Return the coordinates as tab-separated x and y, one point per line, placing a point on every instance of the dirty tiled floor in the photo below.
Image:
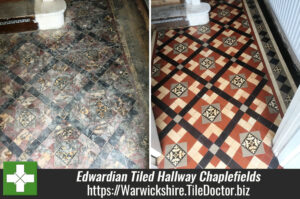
68	97
213	94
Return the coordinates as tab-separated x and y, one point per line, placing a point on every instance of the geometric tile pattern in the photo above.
211	113
177	155
67	96
204	29
224	118
238	81
206	63
285	84
251	142
272	104
229	41
179	90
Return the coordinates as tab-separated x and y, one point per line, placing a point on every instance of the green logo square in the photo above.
19	178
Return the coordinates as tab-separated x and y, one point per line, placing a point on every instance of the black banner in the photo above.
165	183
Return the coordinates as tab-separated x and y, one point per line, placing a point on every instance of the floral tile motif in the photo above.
27	61
67	133
102	109
211	113
180	48
27	112
251	142
176	155
229	41
207	63
67	151
203	29
256	56
223	13
272	104
25	118
89	54
238	81
60	83
179	90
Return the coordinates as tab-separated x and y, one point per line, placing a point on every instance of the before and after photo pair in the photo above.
159	84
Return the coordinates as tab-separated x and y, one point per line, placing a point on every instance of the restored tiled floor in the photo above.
212	95
68	98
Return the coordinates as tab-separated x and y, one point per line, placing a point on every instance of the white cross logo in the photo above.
20	178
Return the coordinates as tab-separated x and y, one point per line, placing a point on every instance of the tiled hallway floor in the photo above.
68	98
219	91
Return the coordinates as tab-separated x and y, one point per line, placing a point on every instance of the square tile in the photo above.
233	59
214	149
181	32
179	90
67	151
177	118
180	48
208	85
211	113
244	108
176	155
251	143
207	63
180	66
203	29
223	13
238	81
205	44
229	41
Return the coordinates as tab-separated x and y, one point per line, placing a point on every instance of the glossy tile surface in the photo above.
213	99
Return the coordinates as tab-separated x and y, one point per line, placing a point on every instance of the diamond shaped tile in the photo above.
204	29
206	63
251	144
25	118
229	41
224	13
238	81
211	113
180	48
179	90
177	154
67	151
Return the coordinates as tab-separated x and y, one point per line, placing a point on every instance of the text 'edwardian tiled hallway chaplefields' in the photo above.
219	90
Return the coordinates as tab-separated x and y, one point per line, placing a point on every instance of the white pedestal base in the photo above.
49	14
197	14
